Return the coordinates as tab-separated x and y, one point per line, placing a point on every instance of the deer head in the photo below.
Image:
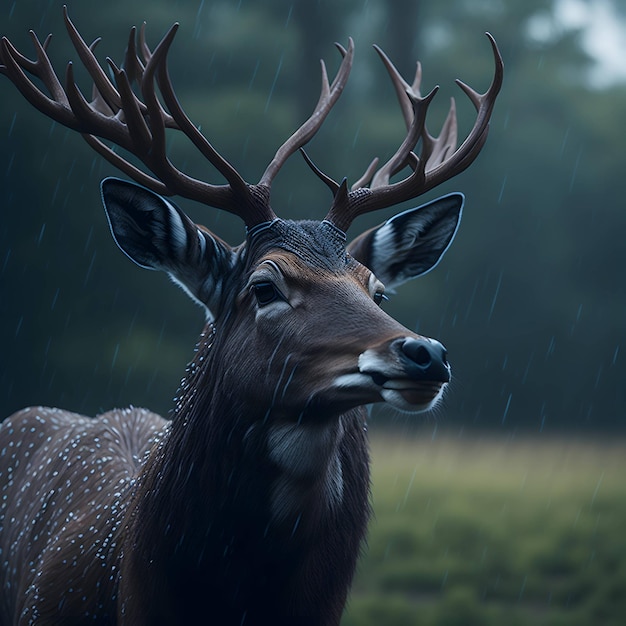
301	306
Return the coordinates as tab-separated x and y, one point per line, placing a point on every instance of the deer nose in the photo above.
425	359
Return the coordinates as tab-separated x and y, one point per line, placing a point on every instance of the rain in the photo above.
504	500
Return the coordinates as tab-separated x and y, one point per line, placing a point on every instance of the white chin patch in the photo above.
397	400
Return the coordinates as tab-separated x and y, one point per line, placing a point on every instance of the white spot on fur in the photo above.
383	249
351	381
372	361
177	233
304	452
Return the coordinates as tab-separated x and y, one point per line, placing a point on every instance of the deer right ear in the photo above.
154	233
410	243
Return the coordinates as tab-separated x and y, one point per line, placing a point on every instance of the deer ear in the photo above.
156	234
410	243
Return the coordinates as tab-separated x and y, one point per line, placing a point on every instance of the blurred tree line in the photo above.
530	300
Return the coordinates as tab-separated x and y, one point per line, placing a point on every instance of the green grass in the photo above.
492	531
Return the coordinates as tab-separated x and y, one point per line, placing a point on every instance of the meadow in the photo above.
484	530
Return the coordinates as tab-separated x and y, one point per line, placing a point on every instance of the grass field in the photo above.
481	531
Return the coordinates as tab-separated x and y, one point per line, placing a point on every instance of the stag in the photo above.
251	504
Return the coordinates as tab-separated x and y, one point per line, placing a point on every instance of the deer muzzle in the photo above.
409	372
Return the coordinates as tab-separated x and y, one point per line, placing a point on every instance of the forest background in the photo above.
531	298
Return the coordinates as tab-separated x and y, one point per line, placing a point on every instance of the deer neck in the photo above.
251	508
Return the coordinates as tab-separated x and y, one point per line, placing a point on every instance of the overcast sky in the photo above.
605	36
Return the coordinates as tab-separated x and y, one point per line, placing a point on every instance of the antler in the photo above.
329	95
138	125
439	159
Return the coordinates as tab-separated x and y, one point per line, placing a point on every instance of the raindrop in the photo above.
200	10
41	232
117	349
445	579
254	74
565	138
269	97
12	124
54	299
70	170
8	254
598	377
543	417
356	135
55	192
93	258
88	240
10	165
495	297
595	491
289	15
506	408
575	169
408	489
502	190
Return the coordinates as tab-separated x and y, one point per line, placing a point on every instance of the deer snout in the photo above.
424	359
409	372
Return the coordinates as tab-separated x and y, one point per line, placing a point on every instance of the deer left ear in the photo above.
410	243
156	234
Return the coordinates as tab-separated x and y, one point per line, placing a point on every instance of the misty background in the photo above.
530	300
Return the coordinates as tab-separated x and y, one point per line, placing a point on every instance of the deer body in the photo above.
223	555
250	505
56	529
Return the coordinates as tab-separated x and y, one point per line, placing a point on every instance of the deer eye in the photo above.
380	297
266	293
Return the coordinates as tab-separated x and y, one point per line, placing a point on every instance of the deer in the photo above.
250	504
